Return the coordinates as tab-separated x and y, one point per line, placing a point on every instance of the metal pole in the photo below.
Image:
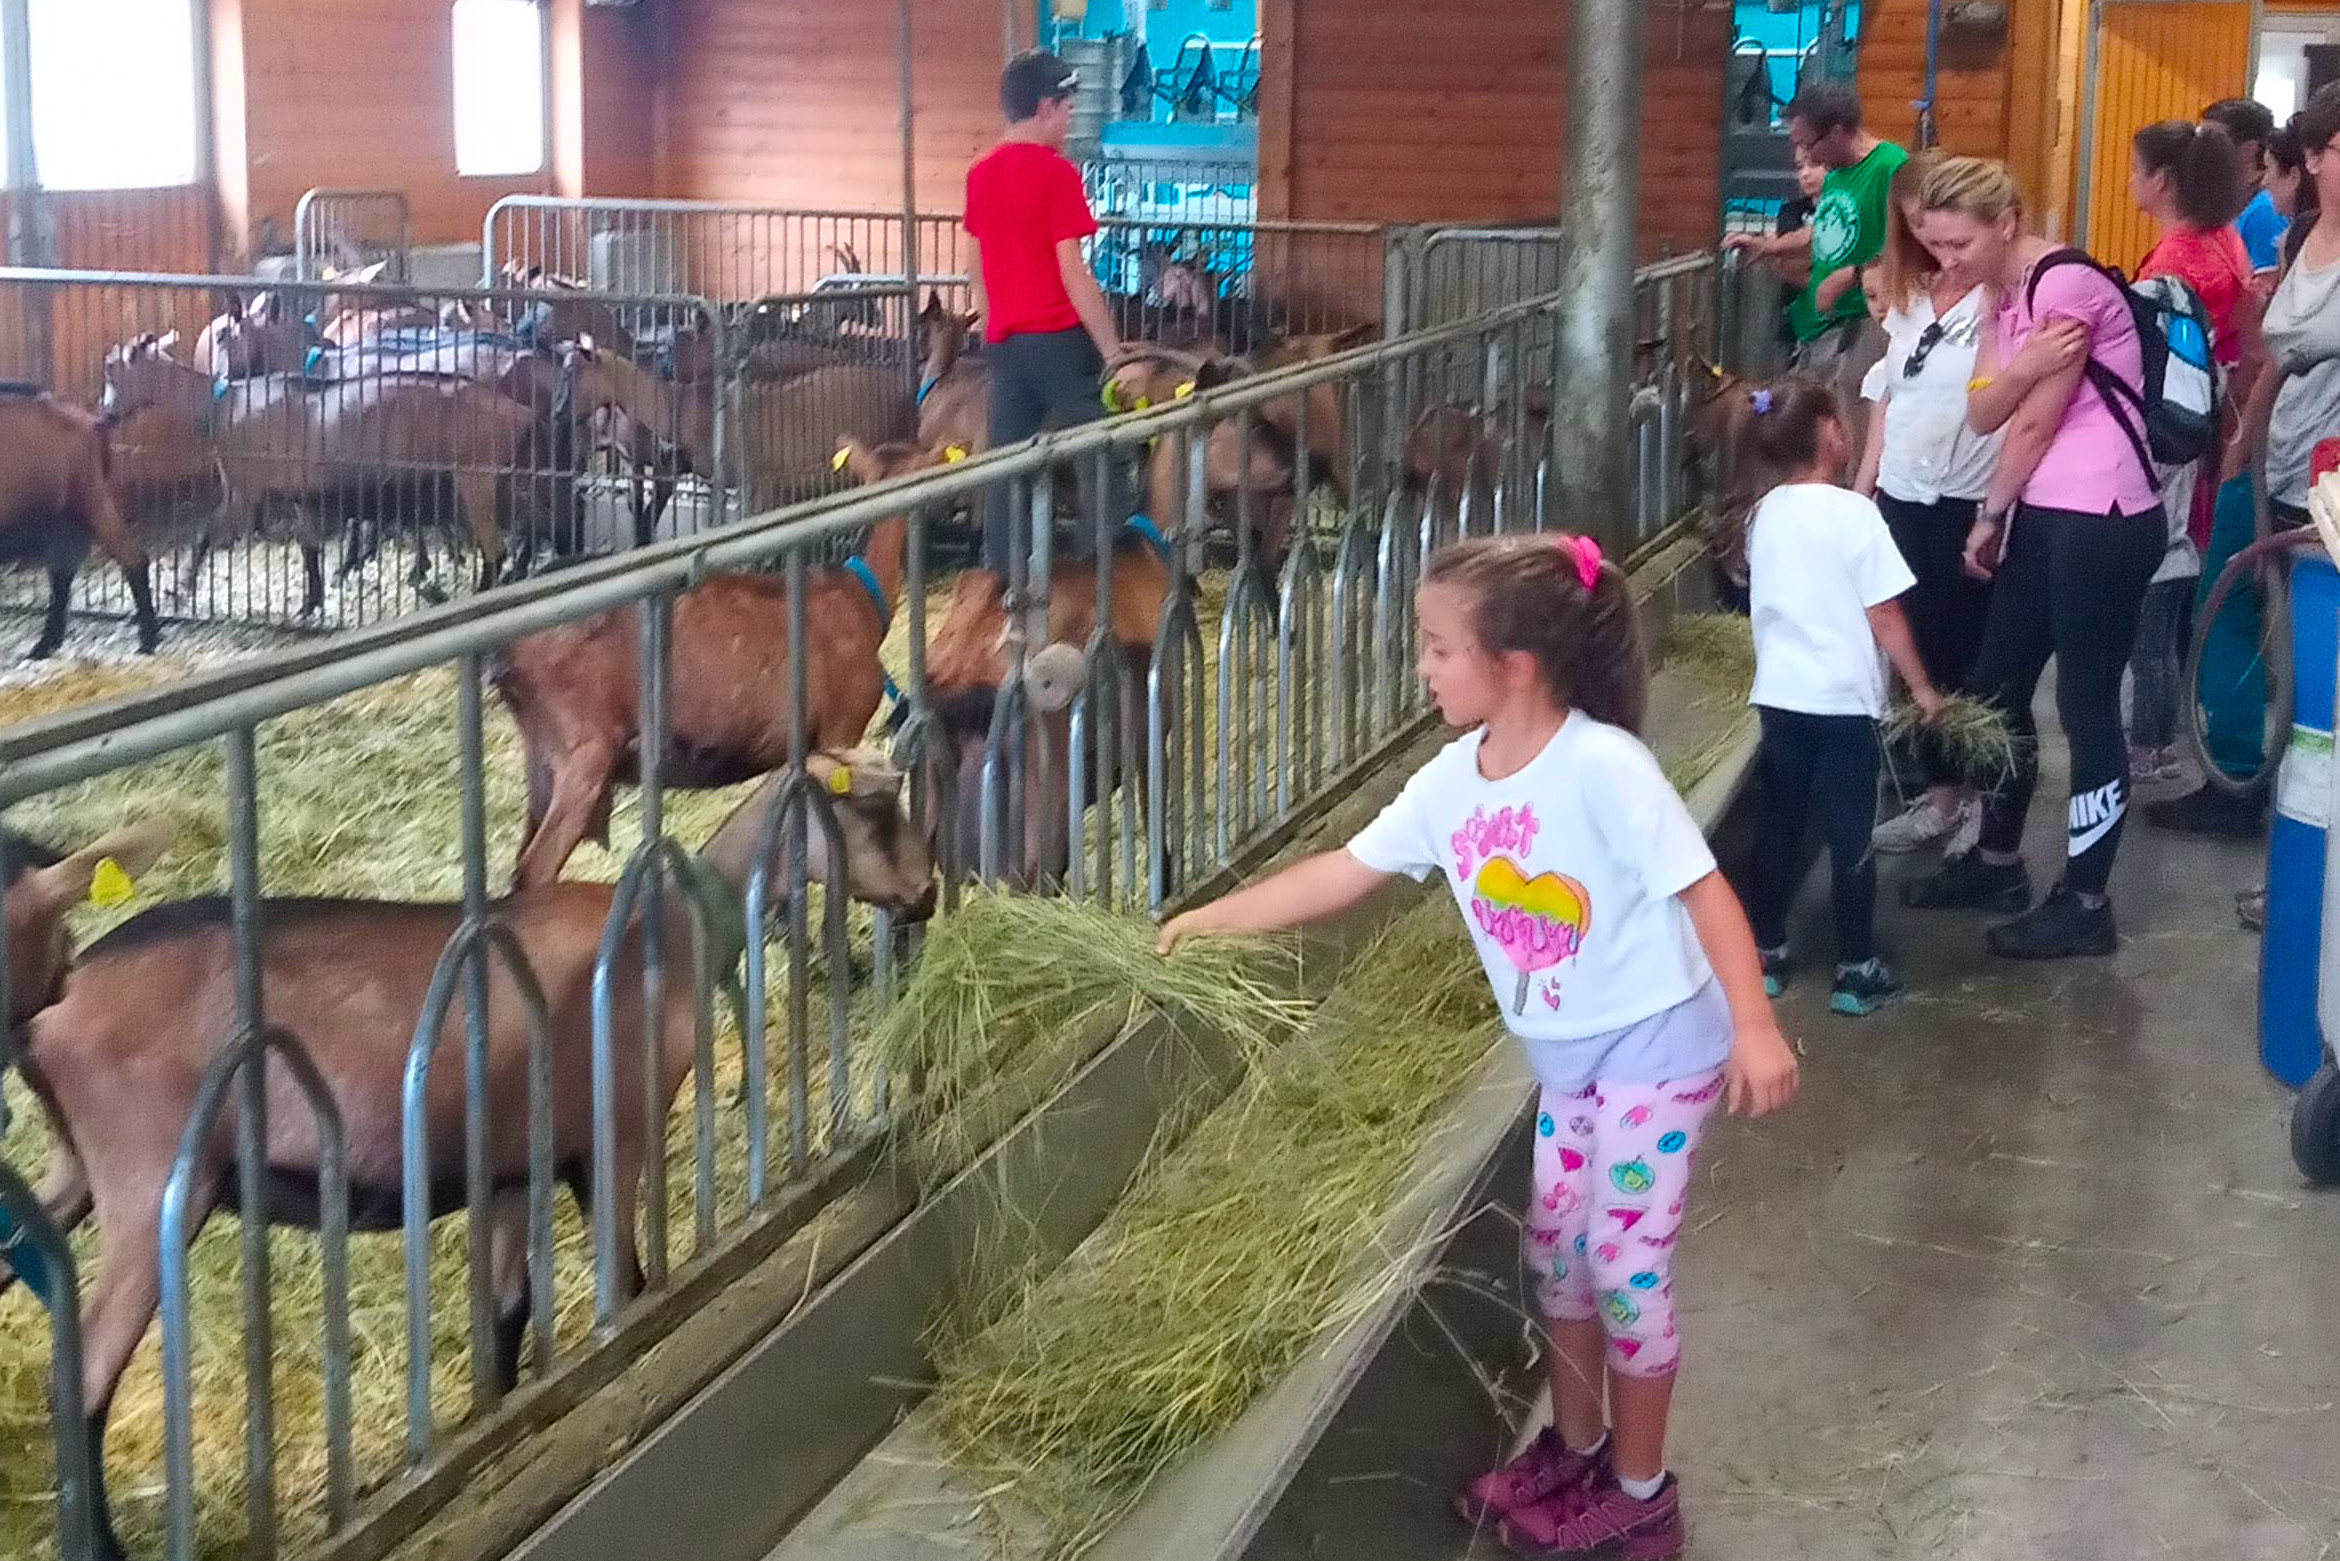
904	30
2089	72
1600	178
1926	134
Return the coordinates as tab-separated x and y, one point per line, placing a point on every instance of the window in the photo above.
113	93
499	87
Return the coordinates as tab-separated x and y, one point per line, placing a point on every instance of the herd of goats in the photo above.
324	416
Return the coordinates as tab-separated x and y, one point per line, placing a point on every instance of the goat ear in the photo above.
166	341
235	306
1213	374
132	850
263	310
1354	337
855	457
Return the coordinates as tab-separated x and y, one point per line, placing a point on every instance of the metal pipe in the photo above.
904	38
1600	198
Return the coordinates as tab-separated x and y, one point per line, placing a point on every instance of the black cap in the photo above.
1032	79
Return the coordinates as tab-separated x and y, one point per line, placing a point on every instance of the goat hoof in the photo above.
148	644
42	650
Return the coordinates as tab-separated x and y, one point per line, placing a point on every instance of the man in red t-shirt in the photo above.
1049	335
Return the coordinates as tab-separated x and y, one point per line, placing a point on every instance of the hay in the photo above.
1228	1261
1972	735
1011	991
1717	649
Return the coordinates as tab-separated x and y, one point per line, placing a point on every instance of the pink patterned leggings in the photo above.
1612	1172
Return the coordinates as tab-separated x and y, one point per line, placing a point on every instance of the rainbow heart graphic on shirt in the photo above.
1537	922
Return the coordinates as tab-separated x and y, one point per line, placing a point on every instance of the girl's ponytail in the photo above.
1772	436
1554	596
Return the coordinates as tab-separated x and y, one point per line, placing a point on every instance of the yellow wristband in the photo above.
1979	382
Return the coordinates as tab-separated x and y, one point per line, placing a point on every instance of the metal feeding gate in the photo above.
314	455
1255	695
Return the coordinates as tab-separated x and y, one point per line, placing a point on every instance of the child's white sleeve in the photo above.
1879	570
1644	823
1401	839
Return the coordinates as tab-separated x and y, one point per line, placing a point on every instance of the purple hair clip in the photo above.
1762	400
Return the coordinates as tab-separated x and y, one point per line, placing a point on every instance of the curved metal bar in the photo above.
654	857
1295	619
29	1225
1173	739
249	1050
464	956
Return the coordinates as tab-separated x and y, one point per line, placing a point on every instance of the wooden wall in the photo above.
792	102
2013	96
1430	110
349	93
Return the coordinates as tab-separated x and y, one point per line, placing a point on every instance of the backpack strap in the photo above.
2117	394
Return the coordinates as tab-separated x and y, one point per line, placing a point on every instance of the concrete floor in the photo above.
2027	1273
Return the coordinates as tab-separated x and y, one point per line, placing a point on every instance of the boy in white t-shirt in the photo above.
1824	580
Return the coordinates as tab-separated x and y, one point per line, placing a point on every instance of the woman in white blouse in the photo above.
1928	471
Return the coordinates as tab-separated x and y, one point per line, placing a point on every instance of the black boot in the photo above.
1968	883
2063	926
2211	812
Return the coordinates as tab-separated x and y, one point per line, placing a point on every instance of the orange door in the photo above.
2155	60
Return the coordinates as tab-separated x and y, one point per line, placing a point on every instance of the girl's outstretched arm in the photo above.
1307	891
1761	1071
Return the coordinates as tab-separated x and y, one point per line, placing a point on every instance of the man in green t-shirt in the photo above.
1835	340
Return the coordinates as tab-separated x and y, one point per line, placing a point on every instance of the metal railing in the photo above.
1308	276
435	437
1251	692
347	229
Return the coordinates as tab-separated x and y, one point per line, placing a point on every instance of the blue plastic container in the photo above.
2291	954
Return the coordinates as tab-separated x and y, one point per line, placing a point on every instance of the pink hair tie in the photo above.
1588	560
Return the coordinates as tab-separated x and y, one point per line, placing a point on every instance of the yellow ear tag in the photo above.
1185	390
109	886
841	782
1145	403
1111	395
837	462
954	454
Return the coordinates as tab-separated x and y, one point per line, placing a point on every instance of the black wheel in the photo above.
2315	1127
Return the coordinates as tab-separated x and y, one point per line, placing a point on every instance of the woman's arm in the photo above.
1761	1071
2250	434
1873	452
1321	886
2028	437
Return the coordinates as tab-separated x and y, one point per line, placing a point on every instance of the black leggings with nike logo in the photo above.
2071	587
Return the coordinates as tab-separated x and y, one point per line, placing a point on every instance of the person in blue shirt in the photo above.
2262	225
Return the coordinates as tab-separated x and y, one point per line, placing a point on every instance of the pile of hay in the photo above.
1229	1260
1717	649
1012	992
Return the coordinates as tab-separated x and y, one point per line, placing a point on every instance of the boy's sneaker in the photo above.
1967	834
1864	988
1913	829
1599	1520
1968	883
1546	1470
1776	970
2063	926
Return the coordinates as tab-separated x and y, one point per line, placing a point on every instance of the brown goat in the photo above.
954	383
1233	477
56	497
116	1061
575	691
790	430
968	663
251	339
275	437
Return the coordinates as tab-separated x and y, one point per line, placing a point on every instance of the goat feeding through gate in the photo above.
575	691
116	1061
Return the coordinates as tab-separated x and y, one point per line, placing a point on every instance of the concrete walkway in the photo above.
2028	1273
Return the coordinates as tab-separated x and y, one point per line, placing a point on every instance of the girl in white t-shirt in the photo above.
1621	960
1823	582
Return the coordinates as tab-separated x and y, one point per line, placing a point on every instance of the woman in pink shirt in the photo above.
2069	532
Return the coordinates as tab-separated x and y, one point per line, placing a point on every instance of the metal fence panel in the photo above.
1260	668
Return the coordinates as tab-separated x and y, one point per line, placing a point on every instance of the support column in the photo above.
1600	194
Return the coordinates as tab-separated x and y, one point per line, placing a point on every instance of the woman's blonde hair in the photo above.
1978	187
1904	265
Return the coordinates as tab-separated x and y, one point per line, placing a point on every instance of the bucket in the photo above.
2291	1040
